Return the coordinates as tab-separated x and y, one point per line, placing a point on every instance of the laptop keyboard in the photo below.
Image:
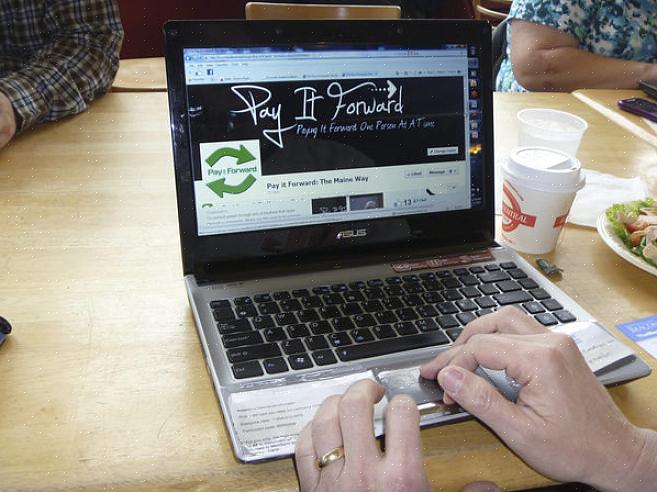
278	332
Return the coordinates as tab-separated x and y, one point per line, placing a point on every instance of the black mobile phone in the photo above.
5	329
642	107
649	87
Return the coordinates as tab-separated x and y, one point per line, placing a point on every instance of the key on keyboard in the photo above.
390	346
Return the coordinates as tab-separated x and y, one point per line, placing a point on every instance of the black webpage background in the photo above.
427	99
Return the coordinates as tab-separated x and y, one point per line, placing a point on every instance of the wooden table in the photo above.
104	383
141	75
605	101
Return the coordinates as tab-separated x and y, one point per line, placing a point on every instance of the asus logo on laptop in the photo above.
351	233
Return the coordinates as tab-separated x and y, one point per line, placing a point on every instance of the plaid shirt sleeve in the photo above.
76	64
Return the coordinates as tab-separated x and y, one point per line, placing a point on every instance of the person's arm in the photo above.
77	65
564	424
7	120
547	59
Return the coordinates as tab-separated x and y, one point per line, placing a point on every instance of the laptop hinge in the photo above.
284	266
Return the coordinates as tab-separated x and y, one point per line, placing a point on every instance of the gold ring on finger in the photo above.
328	458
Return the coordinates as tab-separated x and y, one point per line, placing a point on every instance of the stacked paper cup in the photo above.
551	128
541	179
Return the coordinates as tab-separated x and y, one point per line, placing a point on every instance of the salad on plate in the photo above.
635	223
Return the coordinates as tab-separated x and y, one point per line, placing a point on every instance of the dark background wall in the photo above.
142	19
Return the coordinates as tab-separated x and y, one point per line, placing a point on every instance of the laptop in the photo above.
336	208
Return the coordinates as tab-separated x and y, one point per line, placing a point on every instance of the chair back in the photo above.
494	11
292	11
499	46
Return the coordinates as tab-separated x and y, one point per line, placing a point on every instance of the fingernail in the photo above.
451	380
481	487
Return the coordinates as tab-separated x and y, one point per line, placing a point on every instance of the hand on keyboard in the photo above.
344	423
564	424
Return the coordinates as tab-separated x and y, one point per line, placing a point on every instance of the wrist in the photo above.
643	476
632	465
650	74
7	117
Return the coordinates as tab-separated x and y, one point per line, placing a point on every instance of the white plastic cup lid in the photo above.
544	169
552	123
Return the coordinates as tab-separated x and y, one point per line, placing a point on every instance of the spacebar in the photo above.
391	345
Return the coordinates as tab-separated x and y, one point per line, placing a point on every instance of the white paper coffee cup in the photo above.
538	188
539	127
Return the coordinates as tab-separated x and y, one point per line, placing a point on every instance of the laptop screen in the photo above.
283	136
329	142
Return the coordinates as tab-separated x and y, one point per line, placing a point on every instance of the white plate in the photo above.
614	242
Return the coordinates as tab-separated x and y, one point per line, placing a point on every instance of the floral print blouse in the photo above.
624	29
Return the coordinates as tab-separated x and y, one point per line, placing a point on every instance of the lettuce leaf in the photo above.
628	209
639	251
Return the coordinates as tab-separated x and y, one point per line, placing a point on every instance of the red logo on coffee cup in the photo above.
560	221
513	215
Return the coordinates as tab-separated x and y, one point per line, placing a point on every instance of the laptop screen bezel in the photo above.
243	253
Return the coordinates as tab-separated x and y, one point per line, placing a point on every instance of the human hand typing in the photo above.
7	120
342	432
564	424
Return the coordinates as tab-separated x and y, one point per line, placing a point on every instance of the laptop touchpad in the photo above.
407	381
428	394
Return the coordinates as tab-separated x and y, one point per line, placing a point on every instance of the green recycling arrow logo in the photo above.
220	187
243	156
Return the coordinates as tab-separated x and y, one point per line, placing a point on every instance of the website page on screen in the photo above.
285	137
